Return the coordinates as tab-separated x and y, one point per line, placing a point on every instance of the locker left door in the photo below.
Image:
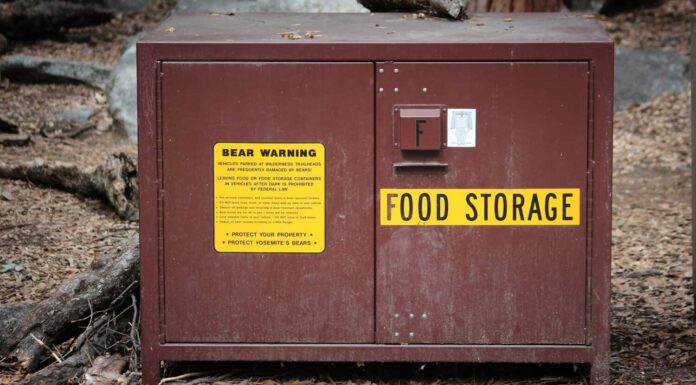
267	295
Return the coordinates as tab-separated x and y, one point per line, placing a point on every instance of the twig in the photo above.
88	332
118	298
186	375
135	339
15	226
46	346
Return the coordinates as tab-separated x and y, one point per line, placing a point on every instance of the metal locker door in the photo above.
503	284
213	294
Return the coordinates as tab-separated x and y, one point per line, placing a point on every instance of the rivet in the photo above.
381	89
444	109
397	314
411	334
396	334
396	145
424	315
381	70
396	70
411	315
425	89
396	89
396	108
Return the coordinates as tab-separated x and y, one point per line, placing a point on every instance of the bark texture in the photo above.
115	181
21	19
26	336
452	9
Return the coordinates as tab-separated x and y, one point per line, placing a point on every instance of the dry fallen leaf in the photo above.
312	34
507	19
169	29
290	35
213	14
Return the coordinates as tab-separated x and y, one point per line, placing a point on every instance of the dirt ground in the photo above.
47	235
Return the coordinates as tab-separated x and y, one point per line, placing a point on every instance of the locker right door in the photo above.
482	283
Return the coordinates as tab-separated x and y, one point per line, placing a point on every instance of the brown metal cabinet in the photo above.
384	189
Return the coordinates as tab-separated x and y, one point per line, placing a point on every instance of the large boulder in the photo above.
123	93
640	75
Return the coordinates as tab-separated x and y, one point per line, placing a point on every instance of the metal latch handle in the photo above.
420	166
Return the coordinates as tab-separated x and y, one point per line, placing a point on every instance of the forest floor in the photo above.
48	235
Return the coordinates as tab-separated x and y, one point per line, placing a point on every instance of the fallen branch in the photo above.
37	69
115	181
36	18
60	372
109	280
451	9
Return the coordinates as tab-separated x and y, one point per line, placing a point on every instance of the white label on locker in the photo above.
461	127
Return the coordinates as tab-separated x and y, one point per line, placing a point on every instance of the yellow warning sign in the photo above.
269	197
480	207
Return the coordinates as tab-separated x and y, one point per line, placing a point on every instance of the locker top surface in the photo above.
378	36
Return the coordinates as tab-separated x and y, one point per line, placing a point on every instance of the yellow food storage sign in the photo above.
479	207
269	197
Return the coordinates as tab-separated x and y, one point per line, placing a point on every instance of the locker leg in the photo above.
150	370
599	373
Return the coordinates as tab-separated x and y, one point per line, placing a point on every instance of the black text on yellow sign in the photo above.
480	207
269	197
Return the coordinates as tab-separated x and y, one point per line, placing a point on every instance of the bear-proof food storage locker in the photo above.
356	187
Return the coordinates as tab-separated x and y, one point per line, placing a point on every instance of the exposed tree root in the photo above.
115	181
93	295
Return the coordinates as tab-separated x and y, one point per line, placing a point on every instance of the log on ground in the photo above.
115	181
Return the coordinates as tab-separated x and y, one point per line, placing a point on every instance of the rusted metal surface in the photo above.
542	87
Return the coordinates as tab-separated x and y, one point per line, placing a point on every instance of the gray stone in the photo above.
36	69
586	5
224	6
79	115
123	94
640	75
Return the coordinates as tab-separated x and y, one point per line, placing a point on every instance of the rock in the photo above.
107	370
36	69
123	94
639	75
586	5
79	115
3	44
225	6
